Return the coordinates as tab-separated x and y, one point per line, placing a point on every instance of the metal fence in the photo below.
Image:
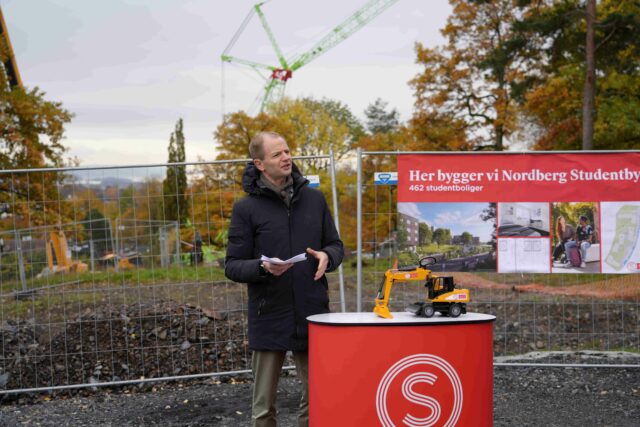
535	312
116	275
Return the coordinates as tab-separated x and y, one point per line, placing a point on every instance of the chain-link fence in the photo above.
535	312
116	275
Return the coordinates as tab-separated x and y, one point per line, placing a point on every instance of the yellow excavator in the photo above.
58	255
442	294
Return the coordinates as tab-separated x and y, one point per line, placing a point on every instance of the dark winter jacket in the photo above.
261	224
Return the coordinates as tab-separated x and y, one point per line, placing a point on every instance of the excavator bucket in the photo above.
382	310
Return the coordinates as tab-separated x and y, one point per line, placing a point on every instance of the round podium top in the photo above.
399	319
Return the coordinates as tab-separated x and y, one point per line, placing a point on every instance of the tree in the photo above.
442	236
467	238
425	234
319	126
464	91
379	120
31	134
561	94
489	214
234	134
176	207
99	230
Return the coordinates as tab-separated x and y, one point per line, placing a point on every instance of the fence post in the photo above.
336	217
164	249
23	276
92	256
178	243
359	232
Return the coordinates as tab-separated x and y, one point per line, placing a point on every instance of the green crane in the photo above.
279	74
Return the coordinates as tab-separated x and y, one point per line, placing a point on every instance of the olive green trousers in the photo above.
266	367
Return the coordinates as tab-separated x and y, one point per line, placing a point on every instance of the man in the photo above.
280	217
584	238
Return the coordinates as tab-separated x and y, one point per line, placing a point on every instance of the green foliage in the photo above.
174	187
31	134
515	70
489	214
425	234
98	229
463	94
442	236
467	238
552	90
379	120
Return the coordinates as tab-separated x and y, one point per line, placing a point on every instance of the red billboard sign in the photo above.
544	177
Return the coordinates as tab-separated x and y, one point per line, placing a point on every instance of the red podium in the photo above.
406	371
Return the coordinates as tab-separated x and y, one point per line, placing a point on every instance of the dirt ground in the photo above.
113	342
523	396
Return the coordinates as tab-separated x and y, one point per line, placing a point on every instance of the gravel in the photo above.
523	396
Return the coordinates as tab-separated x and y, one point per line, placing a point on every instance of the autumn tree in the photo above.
318	127
176	207
556	93
234	134
31	134
463	95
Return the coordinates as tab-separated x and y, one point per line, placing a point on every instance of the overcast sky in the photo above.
128	69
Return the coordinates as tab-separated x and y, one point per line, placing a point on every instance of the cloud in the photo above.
474	219
410	209
445	218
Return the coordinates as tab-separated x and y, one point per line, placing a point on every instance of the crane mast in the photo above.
280	74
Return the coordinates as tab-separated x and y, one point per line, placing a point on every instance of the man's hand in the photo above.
323	262
276	269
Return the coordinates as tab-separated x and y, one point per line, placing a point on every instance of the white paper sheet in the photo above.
292	260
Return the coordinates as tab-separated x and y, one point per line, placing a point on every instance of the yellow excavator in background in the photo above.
59	257
442	295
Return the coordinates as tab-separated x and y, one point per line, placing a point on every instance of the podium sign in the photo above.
407	371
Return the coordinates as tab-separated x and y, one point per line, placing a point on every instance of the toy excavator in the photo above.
442	293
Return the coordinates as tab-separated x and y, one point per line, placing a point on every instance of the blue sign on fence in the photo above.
314	180
385	178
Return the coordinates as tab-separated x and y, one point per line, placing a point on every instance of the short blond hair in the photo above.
256	146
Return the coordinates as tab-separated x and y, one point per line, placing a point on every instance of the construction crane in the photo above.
9	63
278	75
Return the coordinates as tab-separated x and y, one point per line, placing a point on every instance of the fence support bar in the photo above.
336	219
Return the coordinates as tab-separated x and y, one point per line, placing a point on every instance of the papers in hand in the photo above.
292	260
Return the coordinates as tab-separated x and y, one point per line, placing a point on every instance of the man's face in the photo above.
276	165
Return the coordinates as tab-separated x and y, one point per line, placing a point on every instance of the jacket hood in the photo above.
252	185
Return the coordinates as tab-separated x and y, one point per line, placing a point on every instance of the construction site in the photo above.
114	304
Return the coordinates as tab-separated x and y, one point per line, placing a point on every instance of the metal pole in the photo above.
23	276
164	254
113	250
92	256
178	243
116	249
336	219
359	233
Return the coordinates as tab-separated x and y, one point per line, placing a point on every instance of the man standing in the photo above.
280	217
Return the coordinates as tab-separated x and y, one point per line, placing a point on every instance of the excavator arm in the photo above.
403	274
